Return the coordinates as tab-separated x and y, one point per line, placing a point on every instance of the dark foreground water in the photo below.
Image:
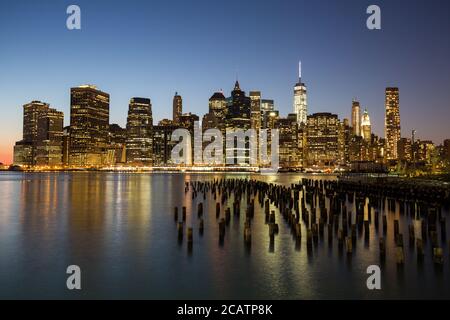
120	229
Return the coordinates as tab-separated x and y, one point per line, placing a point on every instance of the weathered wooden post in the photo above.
309	237
247	235
298	231
200	209
396	228
412	234
438	257
400	256
176	213
217	209
330	233
272	217
180	230
382	247
420	253
222	229
201	227
190	235
349	245
366	229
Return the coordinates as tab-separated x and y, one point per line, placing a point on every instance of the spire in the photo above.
236	85
300	71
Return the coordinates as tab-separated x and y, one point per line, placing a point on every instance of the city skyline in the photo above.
323	140
335	71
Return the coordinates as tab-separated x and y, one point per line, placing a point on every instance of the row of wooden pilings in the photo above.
292	201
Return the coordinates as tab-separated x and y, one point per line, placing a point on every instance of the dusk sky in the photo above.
154	48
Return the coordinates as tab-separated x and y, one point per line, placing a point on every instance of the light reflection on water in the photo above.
119	228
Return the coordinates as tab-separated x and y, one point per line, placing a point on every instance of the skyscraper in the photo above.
49	146
267	106
217	112
323	139
238	118
89	126
177	108
300	98
31	113
345	135
42	136
289	153
238	111
392	123
447	149
255	106
366	128
139	132
356	118
117	142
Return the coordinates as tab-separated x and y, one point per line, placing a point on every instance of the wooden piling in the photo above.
400	256
176	213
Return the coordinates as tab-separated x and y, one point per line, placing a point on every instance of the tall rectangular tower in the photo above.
139	132
392	123
356	118
300	98
89	126
255	109
177	108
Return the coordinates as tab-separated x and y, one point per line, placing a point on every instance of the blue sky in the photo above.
154	48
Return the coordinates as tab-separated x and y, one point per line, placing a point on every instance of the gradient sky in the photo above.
154	48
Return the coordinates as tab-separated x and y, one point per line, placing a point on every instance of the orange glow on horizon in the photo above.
5	157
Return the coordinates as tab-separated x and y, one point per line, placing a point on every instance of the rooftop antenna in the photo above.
300	71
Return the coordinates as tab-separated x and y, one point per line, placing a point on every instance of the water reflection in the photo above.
120	229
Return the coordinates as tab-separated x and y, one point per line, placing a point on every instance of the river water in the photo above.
120	230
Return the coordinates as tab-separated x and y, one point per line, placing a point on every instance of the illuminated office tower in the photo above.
139	132
366	128
218	105
25	150
404	149
323	139
117	143
356	118
425	150
447	149
190	121
255	108
177	108
89	126
49	147
345	135
267	106
300	98
238	118
163	144
65	145
42	136
392	123
290	155
217	112
31	113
